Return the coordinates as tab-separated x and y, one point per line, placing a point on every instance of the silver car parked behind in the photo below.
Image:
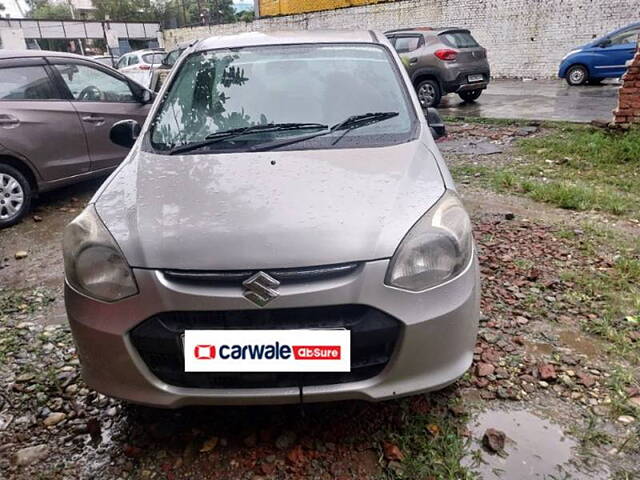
284	228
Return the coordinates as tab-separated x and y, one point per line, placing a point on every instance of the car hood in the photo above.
268	210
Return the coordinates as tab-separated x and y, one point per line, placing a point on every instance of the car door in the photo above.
37	123
406	46
616	52
101	97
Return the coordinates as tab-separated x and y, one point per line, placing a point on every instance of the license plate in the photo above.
475	78
309	350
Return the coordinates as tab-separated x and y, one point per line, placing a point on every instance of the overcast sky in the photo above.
11	8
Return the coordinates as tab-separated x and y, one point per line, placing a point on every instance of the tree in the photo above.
128	10
168	12
246	16
45	10
221	11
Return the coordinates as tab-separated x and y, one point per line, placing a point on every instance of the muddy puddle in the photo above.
535	448
570	339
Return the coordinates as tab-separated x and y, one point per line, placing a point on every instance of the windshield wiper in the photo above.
351	123
237	132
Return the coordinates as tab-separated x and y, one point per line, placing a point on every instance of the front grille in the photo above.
373	338
283	275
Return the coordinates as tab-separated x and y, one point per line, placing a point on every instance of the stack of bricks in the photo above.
628	110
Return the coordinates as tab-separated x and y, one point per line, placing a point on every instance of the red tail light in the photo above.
446	54
145	67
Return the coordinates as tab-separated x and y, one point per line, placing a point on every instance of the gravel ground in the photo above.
531	356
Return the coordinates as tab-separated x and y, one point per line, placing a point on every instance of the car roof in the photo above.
286	38
143	51
4	54
627	27
433	30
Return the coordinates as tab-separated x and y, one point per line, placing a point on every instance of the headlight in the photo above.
570	53
436	249
93	263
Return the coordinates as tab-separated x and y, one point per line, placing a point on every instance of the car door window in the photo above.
407	44
88	84
26	83
173	56
629	37
133	60
122	62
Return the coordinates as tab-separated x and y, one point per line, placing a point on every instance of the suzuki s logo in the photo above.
261	288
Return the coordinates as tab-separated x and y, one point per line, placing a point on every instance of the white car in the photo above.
140	65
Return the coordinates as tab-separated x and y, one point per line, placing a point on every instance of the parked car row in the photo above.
74	100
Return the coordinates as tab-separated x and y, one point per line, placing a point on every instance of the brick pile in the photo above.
628	110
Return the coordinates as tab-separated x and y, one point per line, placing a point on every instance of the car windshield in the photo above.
460	39
288	87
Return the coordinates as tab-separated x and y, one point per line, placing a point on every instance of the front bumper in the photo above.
434	348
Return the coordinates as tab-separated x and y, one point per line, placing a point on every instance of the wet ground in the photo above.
536	378
538	100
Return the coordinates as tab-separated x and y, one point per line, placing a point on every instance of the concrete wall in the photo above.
525	38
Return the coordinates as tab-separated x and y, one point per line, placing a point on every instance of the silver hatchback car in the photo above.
284	229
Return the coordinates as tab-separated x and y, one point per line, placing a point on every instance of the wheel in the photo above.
15	196
577	75
429	93
470	95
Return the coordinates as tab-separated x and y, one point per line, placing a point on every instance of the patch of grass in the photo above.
432	442
511	122
572	167
613	289
590	435
620	381
586	146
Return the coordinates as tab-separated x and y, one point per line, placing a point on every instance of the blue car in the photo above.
602	58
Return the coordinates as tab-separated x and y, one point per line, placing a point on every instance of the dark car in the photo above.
442	61
56	111
605	57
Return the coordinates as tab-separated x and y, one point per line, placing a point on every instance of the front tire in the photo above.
577	75
15	196
469	96
429	93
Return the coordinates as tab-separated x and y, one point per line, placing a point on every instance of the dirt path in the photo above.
564	399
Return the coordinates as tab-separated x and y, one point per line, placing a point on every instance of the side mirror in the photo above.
605	43
146	96
125	133
141	94
438	129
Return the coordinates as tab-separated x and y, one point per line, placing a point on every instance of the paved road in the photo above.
538	100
